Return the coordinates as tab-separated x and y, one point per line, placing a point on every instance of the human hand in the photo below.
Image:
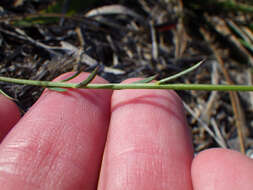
60	144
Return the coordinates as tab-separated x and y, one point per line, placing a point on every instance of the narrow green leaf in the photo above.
6	95
72	76
89	79
58	89
248	45
236	30
180	73
146	80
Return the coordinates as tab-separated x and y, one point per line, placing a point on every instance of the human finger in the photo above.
221	169
9	115
59	143
148	144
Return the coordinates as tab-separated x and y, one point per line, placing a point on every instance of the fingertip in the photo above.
9	115
220	169
148	143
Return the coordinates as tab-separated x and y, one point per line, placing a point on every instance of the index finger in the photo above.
59	143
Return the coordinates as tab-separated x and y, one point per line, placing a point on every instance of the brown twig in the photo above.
240	121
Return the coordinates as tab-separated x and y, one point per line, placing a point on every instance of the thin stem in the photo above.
206	87
38	83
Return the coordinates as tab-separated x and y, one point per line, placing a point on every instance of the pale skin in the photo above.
110	140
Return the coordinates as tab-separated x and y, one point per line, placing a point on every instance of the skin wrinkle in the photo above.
55	149
141	150
93	115
155	122
36	121
156	163
149	100
41	142
25	184
20	148
97	130
137	137
59	165
40	165
36	152
78	147
145	152
132	177
22	170
45	165
152	153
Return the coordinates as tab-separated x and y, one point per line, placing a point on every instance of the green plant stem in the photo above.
116	86
206	87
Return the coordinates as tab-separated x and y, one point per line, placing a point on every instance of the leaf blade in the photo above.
181	73
6	95
89	78
57	89
145	80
